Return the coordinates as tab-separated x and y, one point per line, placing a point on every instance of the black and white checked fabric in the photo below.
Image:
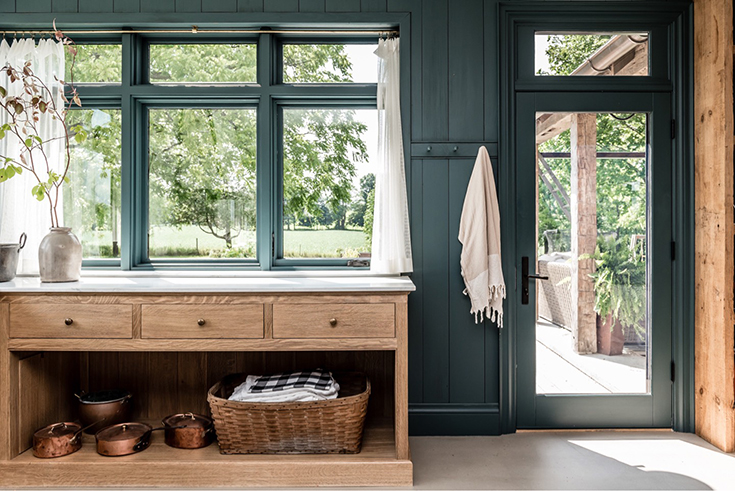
316	380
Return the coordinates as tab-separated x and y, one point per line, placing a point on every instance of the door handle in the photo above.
525	276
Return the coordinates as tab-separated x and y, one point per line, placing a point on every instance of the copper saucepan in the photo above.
124	439
57	440
188	430
103	408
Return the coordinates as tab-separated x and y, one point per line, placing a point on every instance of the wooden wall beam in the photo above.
714	235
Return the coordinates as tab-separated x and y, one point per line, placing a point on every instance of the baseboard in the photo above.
453	419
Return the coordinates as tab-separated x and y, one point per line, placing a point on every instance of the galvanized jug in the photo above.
9	258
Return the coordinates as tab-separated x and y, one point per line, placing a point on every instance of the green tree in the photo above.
202	161
359	207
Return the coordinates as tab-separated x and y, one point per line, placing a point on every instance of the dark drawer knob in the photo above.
201	322
68	321
332	322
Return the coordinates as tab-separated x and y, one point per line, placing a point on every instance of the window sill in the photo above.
207	282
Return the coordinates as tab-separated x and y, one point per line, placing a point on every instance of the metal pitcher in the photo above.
9	258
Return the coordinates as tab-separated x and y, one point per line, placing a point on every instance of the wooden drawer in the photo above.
349	320
41	320
203	321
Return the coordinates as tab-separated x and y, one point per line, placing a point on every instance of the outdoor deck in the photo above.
559	370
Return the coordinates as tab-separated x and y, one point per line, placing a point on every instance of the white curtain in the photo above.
19	210
391	248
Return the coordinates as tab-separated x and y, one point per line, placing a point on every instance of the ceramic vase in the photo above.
60	256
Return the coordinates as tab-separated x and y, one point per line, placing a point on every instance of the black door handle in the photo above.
525	275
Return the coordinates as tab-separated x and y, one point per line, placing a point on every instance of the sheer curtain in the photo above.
391	248
19	210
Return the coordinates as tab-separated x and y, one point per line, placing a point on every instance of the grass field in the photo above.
171	242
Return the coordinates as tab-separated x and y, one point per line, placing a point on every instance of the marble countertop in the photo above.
199	283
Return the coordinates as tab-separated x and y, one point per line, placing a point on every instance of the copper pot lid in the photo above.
104	396
122	432
57	430
187	420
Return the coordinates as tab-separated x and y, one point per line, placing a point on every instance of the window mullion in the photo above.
266	171
128	191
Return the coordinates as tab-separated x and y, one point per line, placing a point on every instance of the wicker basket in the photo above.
331	426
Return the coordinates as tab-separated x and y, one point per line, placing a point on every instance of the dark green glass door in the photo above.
594	188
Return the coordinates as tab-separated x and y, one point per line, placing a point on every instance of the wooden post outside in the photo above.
714	367
584	230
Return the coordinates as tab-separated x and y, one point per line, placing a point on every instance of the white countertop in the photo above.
193	283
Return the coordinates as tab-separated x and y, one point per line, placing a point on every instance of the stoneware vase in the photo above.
60	256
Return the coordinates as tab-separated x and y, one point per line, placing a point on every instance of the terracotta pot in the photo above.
610	337
60	256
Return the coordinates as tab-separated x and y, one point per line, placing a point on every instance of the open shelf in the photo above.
202	467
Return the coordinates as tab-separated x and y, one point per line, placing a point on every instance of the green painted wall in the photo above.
454	101
454	106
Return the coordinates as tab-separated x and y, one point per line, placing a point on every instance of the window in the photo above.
606	54
202	63
201	158
92	199
96	63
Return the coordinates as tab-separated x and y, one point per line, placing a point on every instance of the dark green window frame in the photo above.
135	95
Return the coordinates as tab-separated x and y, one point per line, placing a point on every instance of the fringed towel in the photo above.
479	233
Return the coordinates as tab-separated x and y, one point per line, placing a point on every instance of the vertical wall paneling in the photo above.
192	374
343	5
466	339
95	6
281	5
415	300
312	5
33	6
103	371
188	5
492	340
219	6
7	6
126	6
159	6
416	74
162	384
249	5
466	73
134	371
64	6
373	5
434	72
435	281
492	74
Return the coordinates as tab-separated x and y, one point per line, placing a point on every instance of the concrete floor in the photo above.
572	460
551	460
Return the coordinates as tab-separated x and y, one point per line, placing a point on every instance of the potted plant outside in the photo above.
620	294
28	102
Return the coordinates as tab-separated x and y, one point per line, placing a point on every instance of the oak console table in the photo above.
167	340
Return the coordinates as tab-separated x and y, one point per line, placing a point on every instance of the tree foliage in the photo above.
202	168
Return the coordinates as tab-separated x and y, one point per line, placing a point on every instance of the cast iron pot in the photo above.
103	408
123	439
188	430
57	440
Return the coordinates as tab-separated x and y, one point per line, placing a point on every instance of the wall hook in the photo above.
455	148
428	149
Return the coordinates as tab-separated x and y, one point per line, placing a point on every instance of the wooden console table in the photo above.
167	340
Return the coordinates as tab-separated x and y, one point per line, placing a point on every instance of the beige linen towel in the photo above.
479	233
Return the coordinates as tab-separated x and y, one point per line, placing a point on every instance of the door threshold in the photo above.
591	430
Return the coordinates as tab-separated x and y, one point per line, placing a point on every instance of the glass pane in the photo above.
91	200
591	54
96	63
330	63
328	182
593	329
203	63
202	183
